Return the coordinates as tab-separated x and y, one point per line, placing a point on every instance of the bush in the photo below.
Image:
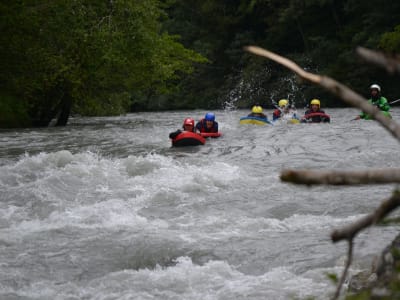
13	112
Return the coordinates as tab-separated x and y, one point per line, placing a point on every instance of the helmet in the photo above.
256	109
315	102
210	117
375	86
188	121
283	103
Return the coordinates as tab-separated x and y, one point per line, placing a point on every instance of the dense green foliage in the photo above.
96	58
91	57
320	35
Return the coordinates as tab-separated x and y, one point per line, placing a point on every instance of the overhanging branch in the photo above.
346	94
371	176
390	63
350	231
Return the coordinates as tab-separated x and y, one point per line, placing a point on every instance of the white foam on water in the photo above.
79	224
239	225
89	191
185	280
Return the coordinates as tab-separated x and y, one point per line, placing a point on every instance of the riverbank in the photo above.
383	282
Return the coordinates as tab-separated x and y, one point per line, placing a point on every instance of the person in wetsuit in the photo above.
378	100
315	114
188	125
257	112
207	124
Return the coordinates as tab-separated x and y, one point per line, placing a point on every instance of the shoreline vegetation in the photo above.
98	59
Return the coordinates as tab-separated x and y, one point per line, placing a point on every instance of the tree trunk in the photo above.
46	115
65	110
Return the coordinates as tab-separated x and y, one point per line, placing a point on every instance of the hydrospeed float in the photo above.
293	121
287	118
210	134
316	117
254	120
188	138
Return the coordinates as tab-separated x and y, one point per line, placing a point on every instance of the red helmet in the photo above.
188	121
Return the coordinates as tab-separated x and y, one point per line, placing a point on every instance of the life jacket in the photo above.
202	126
276	114
381	103
317	118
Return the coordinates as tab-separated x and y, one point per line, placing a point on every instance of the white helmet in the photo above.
375	86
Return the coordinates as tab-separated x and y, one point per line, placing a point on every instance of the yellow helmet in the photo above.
315	102
283	103
256	109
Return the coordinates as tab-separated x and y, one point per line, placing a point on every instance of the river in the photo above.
105	208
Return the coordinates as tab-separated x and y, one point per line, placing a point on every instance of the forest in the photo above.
91	58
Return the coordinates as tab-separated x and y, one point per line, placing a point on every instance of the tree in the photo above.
86	56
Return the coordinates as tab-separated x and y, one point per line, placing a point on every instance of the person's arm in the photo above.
198	127
325	119
383	104
363	115
174	134
303	119
216	126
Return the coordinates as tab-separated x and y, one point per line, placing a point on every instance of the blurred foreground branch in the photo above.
345	93
347	178
390	63
350	231
346	269
310	177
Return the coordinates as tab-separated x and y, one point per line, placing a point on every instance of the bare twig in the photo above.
346	178
350	231
346	268
390	63
346	94
310	177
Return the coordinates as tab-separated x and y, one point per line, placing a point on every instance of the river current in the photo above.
105	208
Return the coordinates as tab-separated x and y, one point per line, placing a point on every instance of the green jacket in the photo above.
380	103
